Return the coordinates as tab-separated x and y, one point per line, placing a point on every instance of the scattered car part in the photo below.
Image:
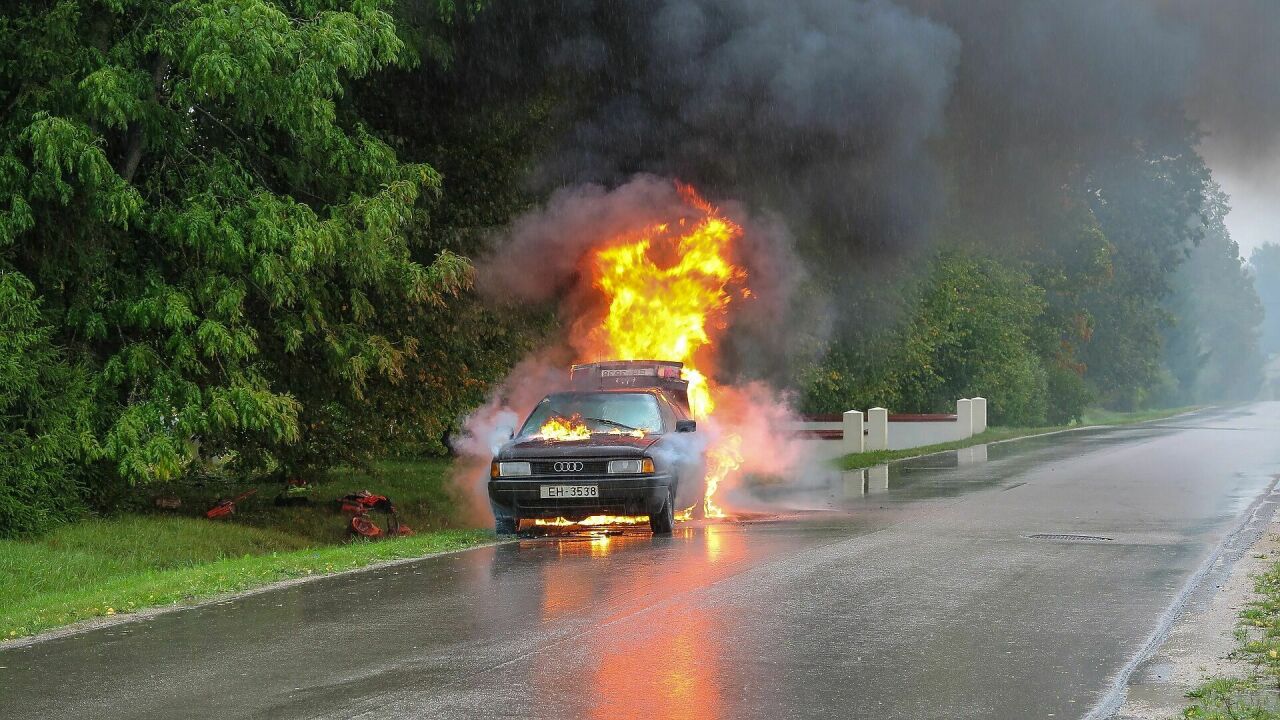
362	526
360	504
223	507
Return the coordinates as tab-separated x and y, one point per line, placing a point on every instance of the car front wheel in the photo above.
504	522
663	521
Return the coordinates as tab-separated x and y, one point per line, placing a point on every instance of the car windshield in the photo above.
600	412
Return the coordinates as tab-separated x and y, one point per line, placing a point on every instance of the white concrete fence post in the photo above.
852	426
964	419
877	429
979	415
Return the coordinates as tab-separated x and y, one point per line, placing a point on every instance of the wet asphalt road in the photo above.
911	593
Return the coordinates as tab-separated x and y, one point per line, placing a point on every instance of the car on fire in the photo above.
621	442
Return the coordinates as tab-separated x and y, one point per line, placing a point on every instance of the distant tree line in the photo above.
1265	263
1135	296
234	239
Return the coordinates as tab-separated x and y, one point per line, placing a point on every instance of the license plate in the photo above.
569	491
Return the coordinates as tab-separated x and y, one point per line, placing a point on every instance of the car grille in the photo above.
570	467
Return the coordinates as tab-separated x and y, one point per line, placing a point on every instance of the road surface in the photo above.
913	593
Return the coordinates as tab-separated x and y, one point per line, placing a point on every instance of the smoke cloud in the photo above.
1046	89
861	128
858	122
1236	97
820	110
1235	90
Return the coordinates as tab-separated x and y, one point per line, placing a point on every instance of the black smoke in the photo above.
858	121
818	110
1235	83
863	129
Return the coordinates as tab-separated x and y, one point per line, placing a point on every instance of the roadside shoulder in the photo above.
1202	651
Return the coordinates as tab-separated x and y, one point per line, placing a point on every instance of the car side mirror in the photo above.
686	425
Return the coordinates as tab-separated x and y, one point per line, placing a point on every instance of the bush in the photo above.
1069	394
43	418
970	333
1017	391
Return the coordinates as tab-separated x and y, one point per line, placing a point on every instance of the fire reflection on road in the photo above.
671	668
715	543
673	671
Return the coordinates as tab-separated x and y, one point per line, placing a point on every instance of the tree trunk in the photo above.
133	155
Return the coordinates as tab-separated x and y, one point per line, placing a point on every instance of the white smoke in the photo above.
492	424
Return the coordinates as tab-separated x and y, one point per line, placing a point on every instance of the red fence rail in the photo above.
899	417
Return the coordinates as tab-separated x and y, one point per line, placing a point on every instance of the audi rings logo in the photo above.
567	467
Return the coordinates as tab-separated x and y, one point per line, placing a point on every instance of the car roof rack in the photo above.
664	375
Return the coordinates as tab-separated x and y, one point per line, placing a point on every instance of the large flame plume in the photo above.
668	290
646	271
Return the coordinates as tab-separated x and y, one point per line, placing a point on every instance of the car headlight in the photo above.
638	466
510	469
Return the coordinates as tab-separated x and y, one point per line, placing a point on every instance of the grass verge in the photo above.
105	567
1257	696
1091	418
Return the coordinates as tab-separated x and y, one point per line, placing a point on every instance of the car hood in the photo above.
600	445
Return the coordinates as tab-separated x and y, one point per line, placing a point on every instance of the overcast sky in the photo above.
1235	94
1254	191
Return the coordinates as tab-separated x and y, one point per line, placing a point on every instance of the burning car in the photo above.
620	443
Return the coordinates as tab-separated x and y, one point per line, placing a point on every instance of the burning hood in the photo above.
599	445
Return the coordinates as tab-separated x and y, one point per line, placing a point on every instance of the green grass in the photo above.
1231	699
103	567
1254	697
855	461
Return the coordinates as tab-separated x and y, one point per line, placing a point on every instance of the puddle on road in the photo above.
937	476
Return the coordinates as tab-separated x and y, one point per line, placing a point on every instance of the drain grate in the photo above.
1069	537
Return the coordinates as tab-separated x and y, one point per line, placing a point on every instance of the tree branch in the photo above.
133	155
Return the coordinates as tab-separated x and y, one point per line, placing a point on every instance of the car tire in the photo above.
664	521
504	523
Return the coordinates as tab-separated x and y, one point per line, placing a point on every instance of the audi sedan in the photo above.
631	451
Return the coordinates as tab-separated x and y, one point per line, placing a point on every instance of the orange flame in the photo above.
558	429
721	460
594	520
668	290
667	312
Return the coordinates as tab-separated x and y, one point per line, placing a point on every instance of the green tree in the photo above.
483	130
1070	257
1148	204
1265	263
209	227
1211	347
45	417
975	326
971	332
